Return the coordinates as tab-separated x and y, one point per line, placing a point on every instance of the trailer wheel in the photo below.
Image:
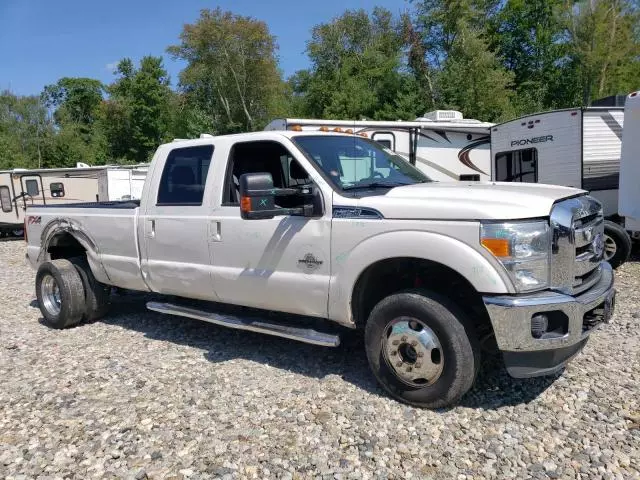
60	293
617	244
421	349
96	294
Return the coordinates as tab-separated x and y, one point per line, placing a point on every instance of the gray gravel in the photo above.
142	395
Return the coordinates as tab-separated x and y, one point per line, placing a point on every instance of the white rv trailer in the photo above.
575	147
629	193
20	188
443	144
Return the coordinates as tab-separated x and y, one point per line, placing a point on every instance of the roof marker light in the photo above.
295	128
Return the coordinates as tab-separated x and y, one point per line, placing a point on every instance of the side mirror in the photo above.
257	196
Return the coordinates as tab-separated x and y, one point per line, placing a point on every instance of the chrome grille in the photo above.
577	249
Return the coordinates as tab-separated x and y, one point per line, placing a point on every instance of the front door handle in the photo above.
215	231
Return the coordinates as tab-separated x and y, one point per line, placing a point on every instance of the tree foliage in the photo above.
356	69
137	116
232	72
490	59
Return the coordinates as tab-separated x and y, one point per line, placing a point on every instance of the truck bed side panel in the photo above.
108	234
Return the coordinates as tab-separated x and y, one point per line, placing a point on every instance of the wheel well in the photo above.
393	275
65	245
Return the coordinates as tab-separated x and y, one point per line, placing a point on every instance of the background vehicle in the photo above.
443	144
577	147
335	230
629	193
20	188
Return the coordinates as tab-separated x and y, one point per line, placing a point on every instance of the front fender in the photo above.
483	274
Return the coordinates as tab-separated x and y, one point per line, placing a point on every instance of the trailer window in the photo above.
57	189
5	199
517	166
185	175
32	188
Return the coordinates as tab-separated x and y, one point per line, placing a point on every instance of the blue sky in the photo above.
44	40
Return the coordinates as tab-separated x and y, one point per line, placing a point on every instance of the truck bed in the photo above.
108	230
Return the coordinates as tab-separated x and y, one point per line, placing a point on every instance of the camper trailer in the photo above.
443	144
629	193
20	188
575	147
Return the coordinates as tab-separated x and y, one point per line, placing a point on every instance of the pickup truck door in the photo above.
175	253
281	263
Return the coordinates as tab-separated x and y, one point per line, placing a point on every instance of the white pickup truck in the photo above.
336	230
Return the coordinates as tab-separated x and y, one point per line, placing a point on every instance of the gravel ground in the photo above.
145	395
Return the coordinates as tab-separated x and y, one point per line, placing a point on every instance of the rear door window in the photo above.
185	176
5	199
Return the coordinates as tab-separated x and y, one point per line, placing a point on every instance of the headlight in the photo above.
523	248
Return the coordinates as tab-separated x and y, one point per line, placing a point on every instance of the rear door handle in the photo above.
151	233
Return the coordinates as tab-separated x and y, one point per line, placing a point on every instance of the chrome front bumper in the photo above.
511	320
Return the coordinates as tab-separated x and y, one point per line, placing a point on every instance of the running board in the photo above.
306	335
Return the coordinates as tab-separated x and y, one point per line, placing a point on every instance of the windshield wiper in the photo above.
363	186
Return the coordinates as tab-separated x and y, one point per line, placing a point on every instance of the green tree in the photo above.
137	117
76	103
529	37
357	70
463	71
232	71
603	47
25	131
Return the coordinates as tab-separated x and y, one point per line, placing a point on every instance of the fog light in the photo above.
539	325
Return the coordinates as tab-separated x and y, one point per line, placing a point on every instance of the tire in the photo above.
96	294
617	244
459	351
60	293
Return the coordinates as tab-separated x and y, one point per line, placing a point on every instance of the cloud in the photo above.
111	66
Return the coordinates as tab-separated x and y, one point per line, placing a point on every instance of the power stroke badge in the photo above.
309	263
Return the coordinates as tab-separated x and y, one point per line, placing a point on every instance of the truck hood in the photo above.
468	201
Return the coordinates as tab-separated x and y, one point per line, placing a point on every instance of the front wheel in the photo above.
617	244
421	349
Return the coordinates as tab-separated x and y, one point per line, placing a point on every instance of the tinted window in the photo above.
57	189
185	175
32	188
5	199
517	166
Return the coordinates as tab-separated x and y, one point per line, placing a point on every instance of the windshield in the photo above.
356	162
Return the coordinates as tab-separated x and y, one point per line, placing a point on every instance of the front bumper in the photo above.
526	356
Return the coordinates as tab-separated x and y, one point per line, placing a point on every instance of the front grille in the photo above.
578	244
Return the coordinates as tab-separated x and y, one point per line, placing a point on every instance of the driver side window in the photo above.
263	157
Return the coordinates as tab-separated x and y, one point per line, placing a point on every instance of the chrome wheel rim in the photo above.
610	247
50	294
413	352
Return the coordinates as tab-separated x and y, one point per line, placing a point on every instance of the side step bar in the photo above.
306	335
